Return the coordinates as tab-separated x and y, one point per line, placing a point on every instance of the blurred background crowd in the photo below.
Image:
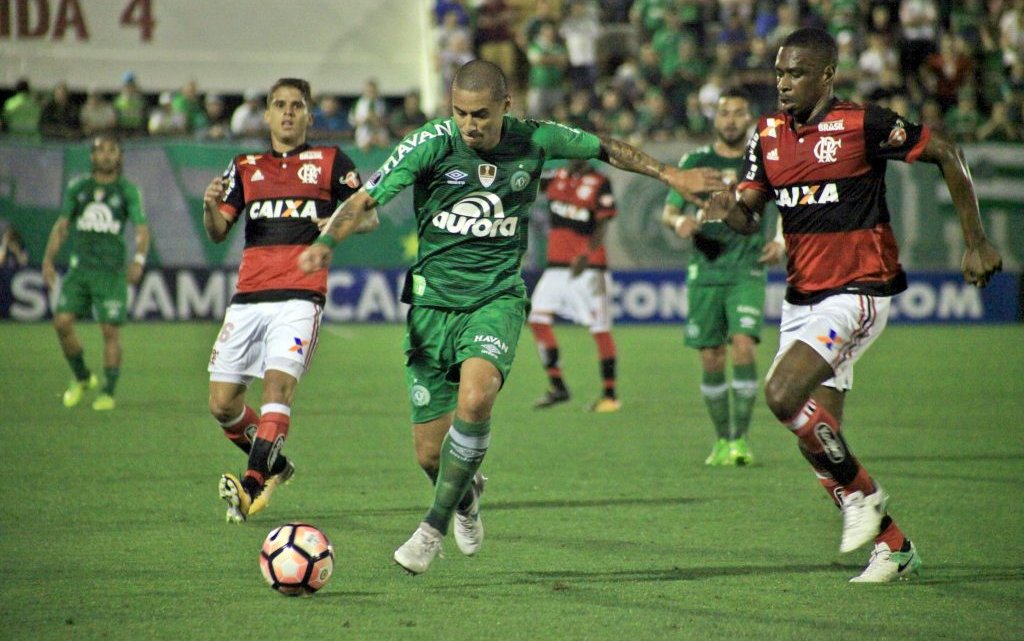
635	69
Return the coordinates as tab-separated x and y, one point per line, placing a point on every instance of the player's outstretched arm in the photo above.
358	214
138	263
217	226
58	234
741	211
686	181
981	259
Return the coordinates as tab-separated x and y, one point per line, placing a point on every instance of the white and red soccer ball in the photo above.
297	559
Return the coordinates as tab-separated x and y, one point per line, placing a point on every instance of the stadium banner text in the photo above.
372	295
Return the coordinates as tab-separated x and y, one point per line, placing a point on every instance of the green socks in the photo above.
462	452
716	396
78	368
112	373
744	394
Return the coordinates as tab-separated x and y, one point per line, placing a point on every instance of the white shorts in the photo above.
839	328
583	300
256	337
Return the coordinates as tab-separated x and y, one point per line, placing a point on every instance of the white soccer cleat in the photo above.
469	528
419	551
861	517
886	566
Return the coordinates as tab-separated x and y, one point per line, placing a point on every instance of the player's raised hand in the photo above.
980	263
694	181
214	193
314	258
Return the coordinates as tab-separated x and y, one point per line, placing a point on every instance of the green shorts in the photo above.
83	291
718	312
438	341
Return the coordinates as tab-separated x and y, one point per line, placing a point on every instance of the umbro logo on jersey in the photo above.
486	174
258	175
456	177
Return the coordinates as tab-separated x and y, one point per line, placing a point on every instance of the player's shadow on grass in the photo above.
551	504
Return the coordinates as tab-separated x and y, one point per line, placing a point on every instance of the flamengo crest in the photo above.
309	173
825	149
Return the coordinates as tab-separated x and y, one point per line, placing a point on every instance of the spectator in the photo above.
685	75
329	121
1011	33
653	119
97	115
409	118
649	15
710	92
548	60
186	101
873	62
130	106
59	117
947	71
846	65
931	115
455	7
217	124
495	42
696	124
581	104
1012	88
580	30
247	119
544	12
369	117
22	111
449	60
788	22
919	22
611	116
964	120
164	120
1000	127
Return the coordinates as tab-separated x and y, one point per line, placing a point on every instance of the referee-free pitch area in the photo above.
598	526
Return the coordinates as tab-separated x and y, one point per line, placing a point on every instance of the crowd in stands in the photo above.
635	69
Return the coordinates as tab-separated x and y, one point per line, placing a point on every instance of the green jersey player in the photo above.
475	176
94	216
725	288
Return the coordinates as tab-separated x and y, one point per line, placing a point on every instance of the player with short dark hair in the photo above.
271	327
94	215
576	284
475	176
725	284
823	161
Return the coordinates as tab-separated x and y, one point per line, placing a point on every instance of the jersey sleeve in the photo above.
345	180
133	198
234	198
889	136
413	156
753	174
564	142
674	198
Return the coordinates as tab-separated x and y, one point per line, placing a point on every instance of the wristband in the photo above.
326	239
700	216
140	258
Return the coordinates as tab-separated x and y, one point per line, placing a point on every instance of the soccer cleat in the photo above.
886	566
552	397
605	404
861	517
419	551
469	529
719	454
262	500
238	500
739	452
104	402
76	390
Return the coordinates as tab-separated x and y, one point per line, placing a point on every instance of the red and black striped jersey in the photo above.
828	179
577	203
281	196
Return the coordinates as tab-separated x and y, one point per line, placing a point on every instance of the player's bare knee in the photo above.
63	325
223	410
781	400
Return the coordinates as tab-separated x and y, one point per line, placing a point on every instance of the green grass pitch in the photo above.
598	527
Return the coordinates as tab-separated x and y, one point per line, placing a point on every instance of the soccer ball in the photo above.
297	559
